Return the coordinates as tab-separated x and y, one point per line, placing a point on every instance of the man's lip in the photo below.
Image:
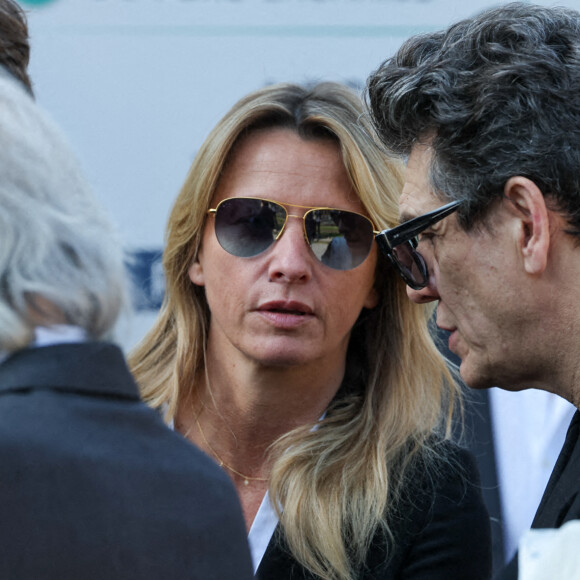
452	338
286	307
447	328
440	315
452	342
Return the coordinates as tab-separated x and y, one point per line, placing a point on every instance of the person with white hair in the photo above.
93	485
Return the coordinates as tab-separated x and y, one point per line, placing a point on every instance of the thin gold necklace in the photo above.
221	462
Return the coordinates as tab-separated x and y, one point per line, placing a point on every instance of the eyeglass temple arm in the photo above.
408	230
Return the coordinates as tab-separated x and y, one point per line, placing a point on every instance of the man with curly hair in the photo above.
487	114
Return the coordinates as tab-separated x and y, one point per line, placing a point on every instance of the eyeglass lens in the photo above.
340	239
399	244
246	227
411	265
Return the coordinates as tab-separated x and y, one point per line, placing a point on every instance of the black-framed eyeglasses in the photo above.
399	244
248	226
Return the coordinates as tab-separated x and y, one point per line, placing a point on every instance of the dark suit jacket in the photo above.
561	500
94	486
441	532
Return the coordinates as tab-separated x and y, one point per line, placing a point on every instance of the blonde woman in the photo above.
288	351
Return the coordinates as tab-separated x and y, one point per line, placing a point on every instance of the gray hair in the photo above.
56	245
497	95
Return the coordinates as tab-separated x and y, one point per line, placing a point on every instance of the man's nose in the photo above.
427	294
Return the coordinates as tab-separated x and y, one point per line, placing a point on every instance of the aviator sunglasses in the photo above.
248	226
400	243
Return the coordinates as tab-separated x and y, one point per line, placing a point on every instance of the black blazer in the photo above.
561	500
94	486
441	532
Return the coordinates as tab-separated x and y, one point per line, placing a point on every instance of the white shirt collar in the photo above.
55	334
262	531
58	334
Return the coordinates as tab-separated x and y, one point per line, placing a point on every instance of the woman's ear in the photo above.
528	206
195	271
372	298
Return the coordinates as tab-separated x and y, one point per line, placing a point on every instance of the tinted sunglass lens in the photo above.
339	239
411	265
246	227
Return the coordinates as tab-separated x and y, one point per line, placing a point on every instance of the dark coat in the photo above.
94	486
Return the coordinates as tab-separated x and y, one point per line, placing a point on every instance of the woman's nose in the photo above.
291	258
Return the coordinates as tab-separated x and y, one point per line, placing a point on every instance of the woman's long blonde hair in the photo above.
337	485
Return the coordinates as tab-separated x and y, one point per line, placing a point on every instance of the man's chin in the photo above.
473	378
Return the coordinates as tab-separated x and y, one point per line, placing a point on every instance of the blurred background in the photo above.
137	85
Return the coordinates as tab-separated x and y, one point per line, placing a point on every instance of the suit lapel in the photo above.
562	489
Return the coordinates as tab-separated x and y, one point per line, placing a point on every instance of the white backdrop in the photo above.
136	85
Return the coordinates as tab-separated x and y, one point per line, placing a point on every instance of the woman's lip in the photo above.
292	307
286	314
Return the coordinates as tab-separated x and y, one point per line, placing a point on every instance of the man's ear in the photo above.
195	271
529	207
